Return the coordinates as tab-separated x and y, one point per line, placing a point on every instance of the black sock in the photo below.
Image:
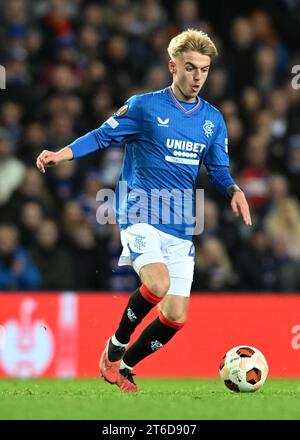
139	305
155	335
115	353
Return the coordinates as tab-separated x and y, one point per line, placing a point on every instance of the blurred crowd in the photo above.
71	64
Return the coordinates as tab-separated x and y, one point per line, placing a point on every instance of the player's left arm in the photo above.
239	204
216	161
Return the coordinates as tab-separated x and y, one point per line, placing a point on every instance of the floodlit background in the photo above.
70	65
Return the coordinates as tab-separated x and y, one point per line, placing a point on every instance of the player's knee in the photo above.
159	287
176	316
172	319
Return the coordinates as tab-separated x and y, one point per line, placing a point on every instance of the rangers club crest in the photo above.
208	128
155	345
139	242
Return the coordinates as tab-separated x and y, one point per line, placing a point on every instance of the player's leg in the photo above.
155	284
174	308
171	319
172	311
139	305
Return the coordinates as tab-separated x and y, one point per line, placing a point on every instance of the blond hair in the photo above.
192	40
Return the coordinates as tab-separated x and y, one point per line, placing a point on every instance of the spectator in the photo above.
72	216
265	64
254	177
255	264
12	170
87	199
33	141
278	190
52	259
265	34
31	217
287	267
17	271
64	181
242	55
89	259
285	219
292	163
32	189
11	114
212	267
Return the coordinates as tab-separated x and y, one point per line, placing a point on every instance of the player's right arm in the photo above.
50	158
125	123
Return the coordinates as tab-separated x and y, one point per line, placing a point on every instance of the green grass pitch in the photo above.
159	399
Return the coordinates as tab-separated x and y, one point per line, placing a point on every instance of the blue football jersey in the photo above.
166	143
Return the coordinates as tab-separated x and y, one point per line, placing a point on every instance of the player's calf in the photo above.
139	305
154	336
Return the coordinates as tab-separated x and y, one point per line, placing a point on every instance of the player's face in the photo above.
189	71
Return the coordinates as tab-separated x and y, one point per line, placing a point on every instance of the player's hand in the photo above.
240	206
47	159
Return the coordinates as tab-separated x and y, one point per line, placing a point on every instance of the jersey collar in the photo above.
175	100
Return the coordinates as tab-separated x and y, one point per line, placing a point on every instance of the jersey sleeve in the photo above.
125	124
218	151
217	160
